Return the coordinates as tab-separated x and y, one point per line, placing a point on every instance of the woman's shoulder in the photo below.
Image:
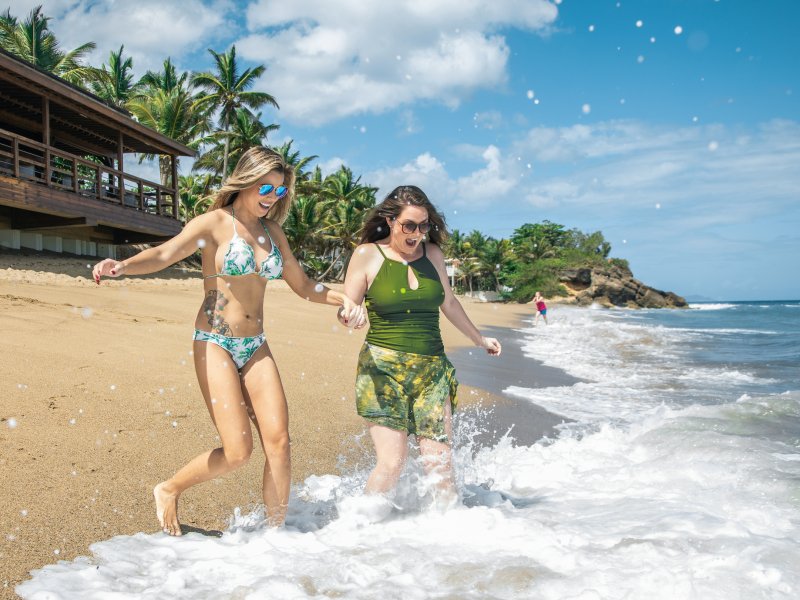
365	255
208	219
432	249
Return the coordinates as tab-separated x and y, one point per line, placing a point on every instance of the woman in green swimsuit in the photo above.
405	384
243	247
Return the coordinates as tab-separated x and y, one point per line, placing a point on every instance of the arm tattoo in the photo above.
213	304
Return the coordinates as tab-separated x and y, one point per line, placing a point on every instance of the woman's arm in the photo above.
160	257
452	308
304	287
355	280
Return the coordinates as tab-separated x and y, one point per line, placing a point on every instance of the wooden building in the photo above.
63	159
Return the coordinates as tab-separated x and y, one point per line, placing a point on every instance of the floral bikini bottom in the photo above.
241	349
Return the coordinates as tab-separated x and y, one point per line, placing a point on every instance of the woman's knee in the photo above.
238	454
392	463
277	443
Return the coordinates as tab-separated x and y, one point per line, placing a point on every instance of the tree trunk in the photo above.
225	153
328	270
165	170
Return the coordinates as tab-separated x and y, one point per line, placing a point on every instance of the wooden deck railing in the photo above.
26	159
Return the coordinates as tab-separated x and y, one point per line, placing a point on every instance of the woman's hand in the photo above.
107	268
351	314
491	345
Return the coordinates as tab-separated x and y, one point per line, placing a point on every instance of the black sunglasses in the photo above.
411	227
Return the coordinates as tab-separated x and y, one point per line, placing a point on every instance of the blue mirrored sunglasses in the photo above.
280	191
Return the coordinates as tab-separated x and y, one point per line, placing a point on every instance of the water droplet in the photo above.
318	288
530	94
639	23
591	27
174	423
640	59
72	421
658	205
56	551
678	30
113	387
586	109
12	423
23	512
201	243
713	145
261	239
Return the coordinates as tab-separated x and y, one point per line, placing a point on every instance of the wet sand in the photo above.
100	402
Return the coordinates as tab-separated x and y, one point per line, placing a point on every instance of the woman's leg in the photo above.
266	402
437	457
391	447
222	390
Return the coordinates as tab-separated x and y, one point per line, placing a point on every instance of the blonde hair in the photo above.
252	166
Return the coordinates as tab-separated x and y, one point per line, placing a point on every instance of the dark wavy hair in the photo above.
391	207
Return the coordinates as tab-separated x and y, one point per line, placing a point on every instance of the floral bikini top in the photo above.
240	259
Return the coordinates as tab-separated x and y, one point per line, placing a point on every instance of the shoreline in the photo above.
525	422
100	403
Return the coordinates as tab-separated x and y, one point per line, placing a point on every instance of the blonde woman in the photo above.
243	247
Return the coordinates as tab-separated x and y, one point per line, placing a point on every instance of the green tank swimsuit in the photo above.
401	318
404	378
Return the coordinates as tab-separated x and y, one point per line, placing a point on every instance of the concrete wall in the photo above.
15	239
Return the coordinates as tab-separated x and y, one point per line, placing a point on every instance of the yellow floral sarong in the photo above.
405	391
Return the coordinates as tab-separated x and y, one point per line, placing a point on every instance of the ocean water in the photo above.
676	474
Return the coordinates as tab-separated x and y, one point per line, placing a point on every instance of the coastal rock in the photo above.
614	285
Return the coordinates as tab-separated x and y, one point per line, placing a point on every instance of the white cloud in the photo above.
330	60
151	30
618	172
631	164
332	165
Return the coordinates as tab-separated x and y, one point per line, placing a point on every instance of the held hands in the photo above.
107	268
491	345
351	314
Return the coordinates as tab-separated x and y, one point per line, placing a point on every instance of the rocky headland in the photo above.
613	285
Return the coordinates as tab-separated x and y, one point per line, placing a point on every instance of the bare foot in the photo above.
167	509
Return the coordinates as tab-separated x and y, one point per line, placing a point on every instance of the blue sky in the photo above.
681	145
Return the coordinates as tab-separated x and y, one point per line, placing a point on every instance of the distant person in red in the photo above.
541	308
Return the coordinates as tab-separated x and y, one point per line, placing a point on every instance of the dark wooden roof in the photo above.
79	120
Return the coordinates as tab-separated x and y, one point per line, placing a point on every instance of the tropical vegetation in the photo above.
216	112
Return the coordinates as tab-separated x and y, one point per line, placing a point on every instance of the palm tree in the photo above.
33	41
305	182
226	90
303	222
246	132
468	269
495	256
166	80
346	200
114	82
164	102
196	194
174	114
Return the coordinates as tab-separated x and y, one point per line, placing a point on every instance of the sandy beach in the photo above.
100	402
